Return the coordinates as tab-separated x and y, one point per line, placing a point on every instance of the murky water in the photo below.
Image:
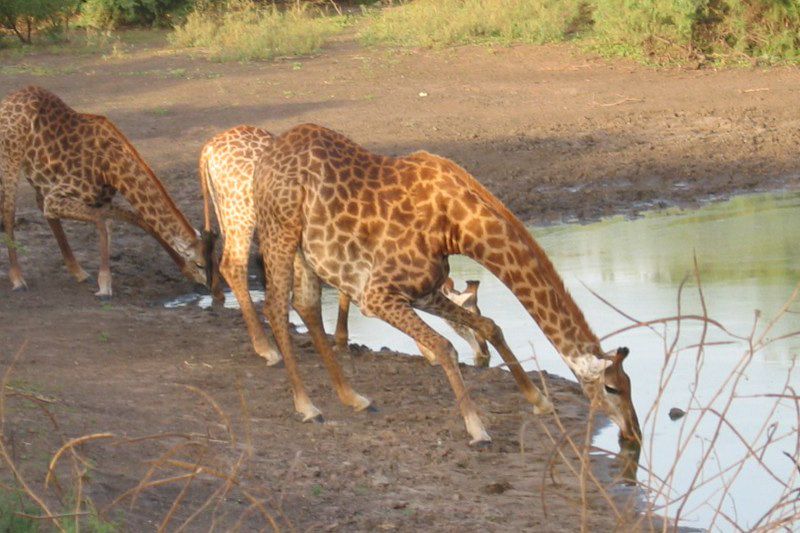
748	256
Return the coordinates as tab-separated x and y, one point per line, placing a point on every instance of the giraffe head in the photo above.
193	256
609	387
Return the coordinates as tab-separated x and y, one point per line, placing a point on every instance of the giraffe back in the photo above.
227	162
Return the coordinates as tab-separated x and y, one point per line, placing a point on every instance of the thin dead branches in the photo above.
196	458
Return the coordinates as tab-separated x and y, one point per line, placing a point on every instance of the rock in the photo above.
676	413
379	480
496	488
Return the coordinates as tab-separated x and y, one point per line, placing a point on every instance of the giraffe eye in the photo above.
611	390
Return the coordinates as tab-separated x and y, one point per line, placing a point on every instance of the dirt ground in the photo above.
556	134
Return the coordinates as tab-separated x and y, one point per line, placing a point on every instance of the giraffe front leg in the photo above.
104	275
306	301
64	207
394	310
342	334
440	306
70	262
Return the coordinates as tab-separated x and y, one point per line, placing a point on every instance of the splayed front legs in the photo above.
439	305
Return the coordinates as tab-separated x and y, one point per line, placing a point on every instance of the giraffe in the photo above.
226	167
76	163
380	229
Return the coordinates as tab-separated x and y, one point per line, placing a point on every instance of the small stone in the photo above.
379	480
676	413
496	488
423	94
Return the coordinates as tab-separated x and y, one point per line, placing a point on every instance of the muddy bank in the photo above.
134	372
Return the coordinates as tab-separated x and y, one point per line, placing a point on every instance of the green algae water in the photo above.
747	252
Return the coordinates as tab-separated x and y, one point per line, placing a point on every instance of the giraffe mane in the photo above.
466	180
148	171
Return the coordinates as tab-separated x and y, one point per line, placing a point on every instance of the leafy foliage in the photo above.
23	17
115	13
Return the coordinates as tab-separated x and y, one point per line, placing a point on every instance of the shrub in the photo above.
646	28
436	23
721	30
245	31
113	13
23	17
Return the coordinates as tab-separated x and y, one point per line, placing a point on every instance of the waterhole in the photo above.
747	256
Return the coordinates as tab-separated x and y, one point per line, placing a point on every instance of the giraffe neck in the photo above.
151	201
491	235
521	264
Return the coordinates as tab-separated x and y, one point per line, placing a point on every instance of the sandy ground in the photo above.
556	134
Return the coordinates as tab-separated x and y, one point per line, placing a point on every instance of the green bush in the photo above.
718	30
24	17
437	23
766	30
114	13
245	31
646	28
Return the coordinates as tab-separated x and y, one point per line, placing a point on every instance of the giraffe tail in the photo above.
208	235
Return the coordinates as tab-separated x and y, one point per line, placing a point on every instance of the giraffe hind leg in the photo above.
306	301
283	236
233	268
342	333
9	178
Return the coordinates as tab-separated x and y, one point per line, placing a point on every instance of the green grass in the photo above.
718	31
652	31
439	23
12	503
248	32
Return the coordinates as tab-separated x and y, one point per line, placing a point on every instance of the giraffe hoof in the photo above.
372	408
20	288
103	297
481	444
278	363
544	408
318	419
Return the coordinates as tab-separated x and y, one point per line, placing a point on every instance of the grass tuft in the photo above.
439	23
246	31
